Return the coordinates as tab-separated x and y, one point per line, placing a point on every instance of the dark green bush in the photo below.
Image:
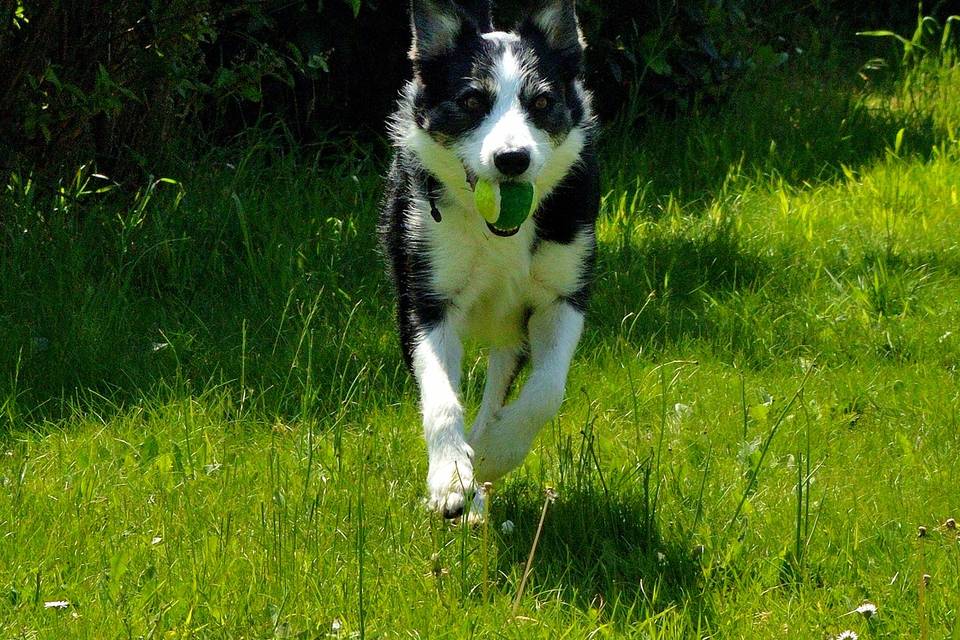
107	81
127	84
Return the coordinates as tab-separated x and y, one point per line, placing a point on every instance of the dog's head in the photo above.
499	106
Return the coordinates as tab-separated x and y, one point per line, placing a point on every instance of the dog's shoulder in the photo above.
572	207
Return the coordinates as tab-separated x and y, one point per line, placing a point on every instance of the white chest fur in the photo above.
492	282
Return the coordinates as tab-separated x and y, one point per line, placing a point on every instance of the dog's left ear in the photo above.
437	24
481	11
556	21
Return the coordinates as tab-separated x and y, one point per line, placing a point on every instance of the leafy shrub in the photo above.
98	79
931	41
125	84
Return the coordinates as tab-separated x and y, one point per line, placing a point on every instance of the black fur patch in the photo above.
445	82
418	306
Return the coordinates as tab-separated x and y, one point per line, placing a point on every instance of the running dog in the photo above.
505	108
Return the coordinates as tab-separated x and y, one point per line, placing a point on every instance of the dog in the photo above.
501	107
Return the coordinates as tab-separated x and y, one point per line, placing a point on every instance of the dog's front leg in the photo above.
436	365
503	443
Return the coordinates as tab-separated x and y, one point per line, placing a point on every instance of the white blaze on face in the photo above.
507	126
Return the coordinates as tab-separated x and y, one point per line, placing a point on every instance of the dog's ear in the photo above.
556	22
437	24
481	11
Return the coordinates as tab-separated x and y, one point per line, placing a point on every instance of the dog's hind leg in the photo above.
436	365
502	367
503	443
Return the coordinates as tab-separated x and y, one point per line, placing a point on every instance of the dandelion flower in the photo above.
848	635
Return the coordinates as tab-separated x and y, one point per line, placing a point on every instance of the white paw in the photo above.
451	486
478	508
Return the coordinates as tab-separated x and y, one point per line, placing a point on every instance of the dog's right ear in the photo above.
437	24
555	24
557	21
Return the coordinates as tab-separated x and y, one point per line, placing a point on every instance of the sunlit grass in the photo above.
208	431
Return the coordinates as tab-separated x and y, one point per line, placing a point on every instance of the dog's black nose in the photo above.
512	162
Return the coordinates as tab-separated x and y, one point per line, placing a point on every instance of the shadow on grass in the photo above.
666	262
656	292
801	124
600	549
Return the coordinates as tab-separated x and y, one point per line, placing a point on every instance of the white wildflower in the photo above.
867	610
507	527
848	635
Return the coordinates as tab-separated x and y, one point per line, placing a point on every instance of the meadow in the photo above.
206	430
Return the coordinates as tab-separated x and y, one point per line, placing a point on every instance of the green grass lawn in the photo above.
206	429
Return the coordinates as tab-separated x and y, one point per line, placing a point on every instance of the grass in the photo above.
207	430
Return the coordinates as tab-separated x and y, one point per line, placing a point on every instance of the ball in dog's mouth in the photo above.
503	233
504	205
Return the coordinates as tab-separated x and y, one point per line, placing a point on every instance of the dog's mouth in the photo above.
472	180
502	233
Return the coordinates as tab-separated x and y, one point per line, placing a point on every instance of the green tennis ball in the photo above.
486	196
505	205
516	202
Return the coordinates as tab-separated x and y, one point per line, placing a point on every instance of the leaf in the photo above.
149	449
51	76
251	92
118	567
224	77
884	34
759	412
660	66
319	61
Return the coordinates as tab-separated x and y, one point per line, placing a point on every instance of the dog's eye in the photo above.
472	101
542	102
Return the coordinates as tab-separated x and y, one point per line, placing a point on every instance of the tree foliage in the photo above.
126	83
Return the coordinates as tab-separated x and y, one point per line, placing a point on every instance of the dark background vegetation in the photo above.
188	187
134	85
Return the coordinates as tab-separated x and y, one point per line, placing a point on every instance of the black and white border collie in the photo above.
496	106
